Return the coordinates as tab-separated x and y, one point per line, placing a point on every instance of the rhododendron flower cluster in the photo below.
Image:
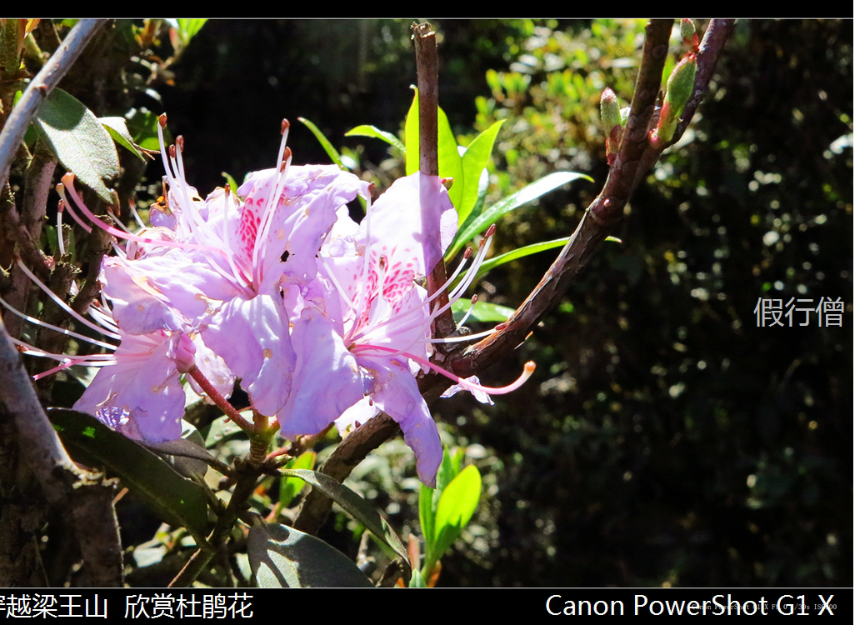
321	319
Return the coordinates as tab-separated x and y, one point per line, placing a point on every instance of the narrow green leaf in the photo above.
118	129
474	162
282	557
178	500
374	132
291	486
520	252
456	507
520	198
354	505
79	141
324	142
483	311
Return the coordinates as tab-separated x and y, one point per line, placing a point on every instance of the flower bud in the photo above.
611	123
610	110
680	87
184	353
689	34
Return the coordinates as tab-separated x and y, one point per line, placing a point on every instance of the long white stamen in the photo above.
60	243
69	187
283	162
191	218
468	312
44	324
335	282
63	305
464	338
267	218
135	214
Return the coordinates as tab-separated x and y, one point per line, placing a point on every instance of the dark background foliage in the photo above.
665	438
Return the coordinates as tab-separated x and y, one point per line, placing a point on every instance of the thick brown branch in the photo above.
87	498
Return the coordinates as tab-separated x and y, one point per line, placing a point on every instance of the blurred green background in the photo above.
664	439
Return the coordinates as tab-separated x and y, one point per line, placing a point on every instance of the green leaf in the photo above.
282	557
520	252
445	474
353	505
417	581
230	181
450	163
291	486
483	311
189	28
178	500
426	516
187	455
456	507
79	141
474	162
142	125
523	196
118	129
374	132
324	142
411	134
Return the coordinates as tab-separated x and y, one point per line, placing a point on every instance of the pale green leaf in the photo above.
456	507
450	163
474	162
79	141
